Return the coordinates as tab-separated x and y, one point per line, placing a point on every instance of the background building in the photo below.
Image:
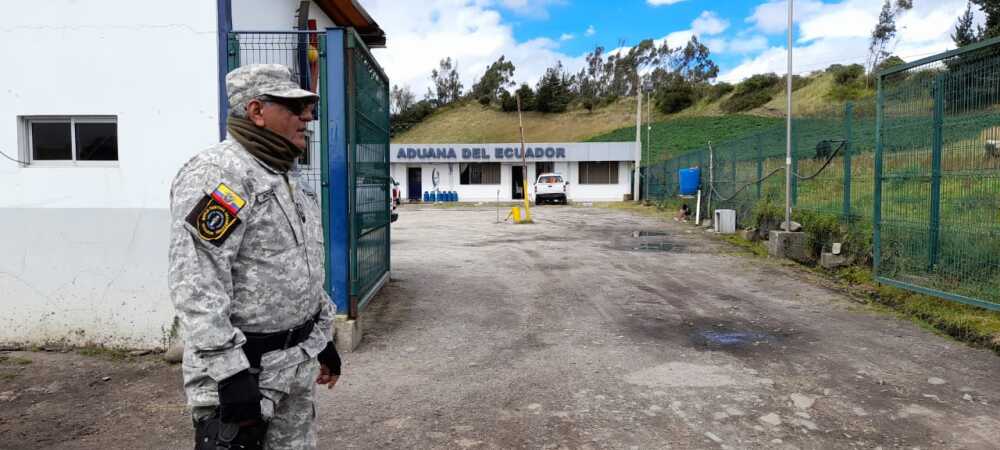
105	102
596	171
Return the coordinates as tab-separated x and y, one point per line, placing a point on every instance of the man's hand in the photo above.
239	399
329	366
326	378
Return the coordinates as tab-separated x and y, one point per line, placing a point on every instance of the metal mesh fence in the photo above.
938	176
833	169
910	179
291	50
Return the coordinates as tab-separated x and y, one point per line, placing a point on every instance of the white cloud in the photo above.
566	37
535	9
839	34
709	23
590	31
471	32
662	2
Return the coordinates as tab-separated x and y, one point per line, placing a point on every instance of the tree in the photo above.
965	31
885	31
992	10
401	99
553	93
447	85
498	77
693	62
527	98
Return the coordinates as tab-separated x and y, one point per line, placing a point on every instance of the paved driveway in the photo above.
597	329
590	329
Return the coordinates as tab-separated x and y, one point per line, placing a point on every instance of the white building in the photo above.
596	171
102	101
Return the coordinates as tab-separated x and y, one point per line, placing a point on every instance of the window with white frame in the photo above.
70	139
599	172
479	173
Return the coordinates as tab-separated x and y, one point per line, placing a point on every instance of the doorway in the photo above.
517	182
413	184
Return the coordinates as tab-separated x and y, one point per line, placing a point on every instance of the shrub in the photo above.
675	95
752	93
718	90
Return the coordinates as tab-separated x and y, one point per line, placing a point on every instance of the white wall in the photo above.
485	193
152	64
600	192
84	257
273	15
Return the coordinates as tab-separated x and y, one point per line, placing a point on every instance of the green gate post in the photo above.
233	57
734	179
877	188
848	117
935	223
795	166
760	168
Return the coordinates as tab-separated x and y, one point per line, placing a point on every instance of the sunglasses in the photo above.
296	106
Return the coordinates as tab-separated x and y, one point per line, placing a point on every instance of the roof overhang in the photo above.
348	13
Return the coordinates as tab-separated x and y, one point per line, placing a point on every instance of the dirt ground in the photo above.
591	329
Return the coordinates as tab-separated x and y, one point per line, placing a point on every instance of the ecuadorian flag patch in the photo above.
225	196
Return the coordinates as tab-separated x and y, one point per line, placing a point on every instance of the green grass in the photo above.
683	134
965	323
14	361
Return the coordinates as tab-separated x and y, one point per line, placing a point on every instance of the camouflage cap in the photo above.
251	81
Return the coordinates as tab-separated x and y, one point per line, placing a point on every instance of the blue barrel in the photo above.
427	196
690	180
453	196
456	195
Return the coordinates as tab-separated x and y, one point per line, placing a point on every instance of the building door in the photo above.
517	182
413	183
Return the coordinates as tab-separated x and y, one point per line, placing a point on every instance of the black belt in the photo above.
260	343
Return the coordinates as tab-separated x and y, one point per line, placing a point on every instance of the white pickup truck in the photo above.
550	187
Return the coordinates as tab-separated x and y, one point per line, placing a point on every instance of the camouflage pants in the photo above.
288	403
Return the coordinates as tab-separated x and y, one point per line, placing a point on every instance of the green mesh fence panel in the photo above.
938	176
368	156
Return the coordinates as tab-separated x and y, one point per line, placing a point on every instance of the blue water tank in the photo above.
690	180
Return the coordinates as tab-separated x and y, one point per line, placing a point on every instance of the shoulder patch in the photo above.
214	221
229	199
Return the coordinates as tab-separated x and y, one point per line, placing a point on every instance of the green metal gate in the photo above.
937	176
368	177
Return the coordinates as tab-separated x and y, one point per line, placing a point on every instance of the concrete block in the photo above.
175	354
347	334
828	260
791	245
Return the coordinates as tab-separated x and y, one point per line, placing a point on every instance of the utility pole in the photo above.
788	128
638	137
524	164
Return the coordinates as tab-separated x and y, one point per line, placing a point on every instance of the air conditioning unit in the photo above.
725	221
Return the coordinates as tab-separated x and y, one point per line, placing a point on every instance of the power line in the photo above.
12	159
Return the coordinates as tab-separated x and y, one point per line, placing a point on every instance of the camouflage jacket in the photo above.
246	255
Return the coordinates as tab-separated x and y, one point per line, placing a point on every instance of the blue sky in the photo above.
614	22
745	36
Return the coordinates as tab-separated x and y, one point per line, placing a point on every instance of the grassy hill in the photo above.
683	134
470	122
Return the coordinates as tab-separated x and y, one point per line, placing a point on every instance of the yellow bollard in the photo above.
515	213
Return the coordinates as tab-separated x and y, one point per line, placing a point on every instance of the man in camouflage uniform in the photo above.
247	270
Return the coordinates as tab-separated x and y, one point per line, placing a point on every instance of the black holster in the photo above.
211	433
